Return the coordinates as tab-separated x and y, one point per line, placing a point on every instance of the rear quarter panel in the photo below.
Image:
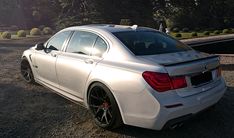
125	81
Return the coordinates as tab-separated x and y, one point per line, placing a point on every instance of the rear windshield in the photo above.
150	42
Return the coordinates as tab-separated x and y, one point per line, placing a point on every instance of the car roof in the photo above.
111	28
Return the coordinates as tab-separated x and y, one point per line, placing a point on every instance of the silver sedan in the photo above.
126	74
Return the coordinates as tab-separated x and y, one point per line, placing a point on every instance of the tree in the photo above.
27	13
76	12
63	13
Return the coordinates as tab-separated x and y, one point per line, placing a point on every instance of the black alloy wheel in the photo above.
26	71
104	107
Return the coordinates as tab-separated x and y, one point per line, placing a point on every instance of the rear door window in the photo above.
99	48
150	42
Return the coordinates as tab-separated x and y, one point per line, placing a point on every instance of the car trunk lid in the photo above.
200	69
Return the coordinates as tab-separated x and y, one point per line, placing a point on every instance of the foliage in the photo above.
217	32
6	35
78	12
125	22
169	23
62	13
35	32
178	35
176	30
207	13
28	13
207	33
185	29
194	34
47	31
226	31
21	33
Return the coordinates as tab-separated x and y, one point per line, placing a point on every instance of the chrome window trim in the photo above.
89	31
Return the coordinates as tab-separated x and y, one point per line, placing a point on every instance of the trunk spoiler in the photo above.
189	61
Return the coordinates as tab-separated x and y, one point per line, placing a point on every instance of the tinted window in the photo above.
99	47
81	43
57	41
150	42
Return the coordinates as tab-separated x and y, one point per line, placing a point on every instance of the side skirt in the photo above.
62	93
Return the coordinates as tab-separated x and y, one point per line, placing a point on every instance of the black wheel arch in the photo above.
25	59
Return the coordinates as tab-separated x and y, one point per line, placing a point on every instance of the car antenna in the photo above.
134	27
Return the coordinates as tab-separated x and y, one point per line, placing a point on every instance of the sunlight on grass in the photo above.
189	35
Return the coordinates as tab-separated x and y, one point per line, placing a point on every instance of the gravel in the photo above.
34	111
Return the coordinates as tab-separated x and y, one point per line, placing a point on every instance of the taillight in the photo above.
178	82
163	82
219	72
158	81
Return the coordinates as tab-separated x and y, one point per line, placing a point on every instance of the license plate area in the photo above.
201	78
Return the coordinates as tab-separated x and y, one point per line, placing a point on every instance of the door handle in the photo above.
53	54
89	61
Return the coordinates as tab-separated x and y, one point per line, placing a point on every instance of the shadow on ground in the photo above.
33	112
38	112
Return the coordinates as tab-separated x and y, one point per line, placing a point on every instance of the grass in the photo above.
189	36
185	35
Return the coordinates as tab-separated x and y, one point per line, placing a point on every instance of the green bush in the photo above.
47	31
185	29
178	35
217	32
125	22
35	32
6	35
169	23
193	34
226	31
176	30
207	33
232	30
21	33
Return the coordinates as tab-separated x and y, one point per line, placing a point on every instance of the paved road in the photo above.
34	111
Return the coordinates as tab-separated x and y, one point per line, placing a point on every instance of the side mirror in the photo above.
40	46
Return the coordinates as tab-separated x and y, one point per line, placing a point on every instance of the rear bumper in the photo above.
160	115
176	122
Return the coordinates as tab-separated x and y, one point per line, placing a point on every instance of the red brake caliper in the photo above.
105	105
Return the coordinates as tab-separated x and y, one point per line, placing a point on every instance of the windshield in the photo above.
150	42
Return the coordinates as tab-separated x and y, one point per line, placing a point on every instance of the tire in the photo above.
103	107
26	71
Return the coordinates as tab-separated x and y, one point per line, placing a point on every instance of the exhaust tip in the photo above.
175	126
